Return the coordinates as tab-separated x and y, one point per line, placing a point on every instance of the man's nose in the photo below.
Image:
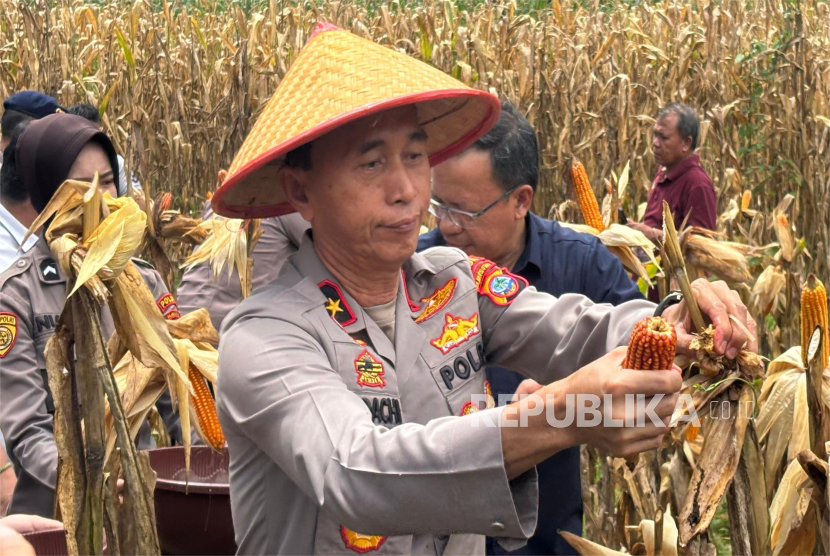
403	185
448	227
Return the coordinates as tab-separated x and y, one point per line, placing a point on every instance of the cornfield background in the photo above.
180	84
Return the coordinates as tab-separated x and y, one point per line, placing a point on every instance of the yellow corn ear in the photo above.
585	195
206	410
814	313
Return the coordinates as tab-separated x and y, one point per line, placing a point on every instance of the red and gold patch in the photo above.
168	307
369	370
8	332
456	331
468	408
497	283
361	543
437	300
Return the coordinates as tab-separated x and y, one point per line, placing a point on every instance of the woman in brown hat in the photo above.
32	294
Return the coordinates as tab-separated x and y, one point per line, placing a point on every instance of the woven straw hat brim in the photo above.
339	78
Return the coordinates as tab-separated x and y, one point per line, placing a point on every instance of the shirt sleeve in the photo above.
702	203
288	399
545	337
604	278
24	417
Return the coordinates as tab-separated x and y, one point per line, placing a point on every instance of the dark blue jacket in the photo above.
557	260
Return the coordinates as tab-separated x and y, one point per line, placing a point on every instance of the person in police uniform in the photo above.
351	390
280	238
32	295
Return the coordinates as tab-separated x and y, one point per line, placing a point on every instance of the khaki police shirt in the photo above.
280	238
32	294
341	442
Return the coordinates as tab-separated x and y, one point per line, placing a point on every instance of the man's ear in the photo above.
294	183
687	144
524	198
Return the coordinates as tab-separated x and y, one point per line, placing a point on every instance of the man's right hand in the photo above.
606	376
526	446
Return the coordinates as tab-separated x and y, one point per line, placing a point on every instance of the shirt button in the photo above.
21	263
497	526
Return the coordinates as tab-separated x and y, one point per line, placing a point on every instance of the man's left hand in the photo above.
734	327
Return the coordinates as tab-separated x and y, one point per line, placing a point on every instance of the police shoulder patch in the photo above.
168	306
497	283
8	332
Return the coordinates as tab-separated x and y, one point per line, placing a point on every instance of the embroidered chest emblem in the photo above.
360	543
456	331
437	300
369	370
8	332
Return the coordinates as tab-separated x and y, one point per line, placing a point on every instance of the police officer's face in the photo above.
93	158
367	191
466	182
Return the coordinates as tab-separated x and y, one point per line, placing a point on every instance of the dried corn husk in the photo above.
769	289
784	416
228	245
620	240
721	258
792	514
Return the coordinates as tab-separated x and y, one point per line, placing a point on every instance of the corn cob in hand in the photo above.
652	346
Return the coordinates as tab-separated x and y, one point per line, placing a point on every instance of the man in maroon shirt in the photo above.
680	181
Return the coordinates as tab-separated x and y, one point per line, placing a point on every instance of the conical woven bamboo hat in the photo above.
337	78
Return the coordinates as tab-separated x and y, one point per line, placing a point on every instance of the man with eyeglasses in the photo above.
499	173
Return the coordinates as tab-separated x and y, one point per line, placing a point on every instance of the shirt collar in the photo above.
532	253
15	229
680	169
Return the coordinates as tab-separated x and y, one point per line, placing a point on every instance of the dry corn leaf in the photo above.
142	326
721	452
721	258
68	196
586	547
766	292
792	529
195	326
184	404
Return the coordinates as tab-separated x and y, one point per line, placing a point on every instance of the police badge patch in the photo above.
437	301
360	543
8	332
369	370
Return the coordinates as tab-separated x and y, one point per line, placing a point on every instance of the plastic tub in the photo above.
48	543
193	517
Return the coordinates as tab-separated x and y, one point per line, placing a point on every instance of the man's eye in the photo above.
416	156
372	165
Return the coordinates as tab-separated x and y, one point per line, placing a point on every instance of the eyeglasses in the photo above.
462	218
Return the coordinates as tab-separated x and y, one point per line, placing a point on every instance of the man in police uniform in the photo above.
32	295
280	238
351	390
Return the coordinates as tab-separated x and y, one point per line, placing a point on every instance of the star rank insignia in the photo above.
336	304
